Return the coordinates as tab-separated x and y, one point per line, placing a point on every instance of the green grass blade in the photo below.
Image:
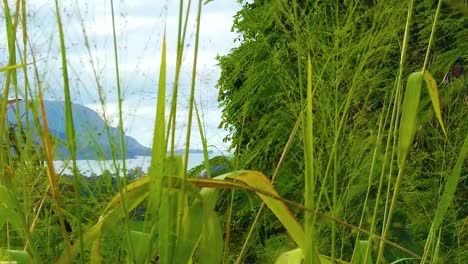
359	254
11	67
408	115
167	226
159	149
309	180
431	85
96	256
447	197
203	140
451	186
70	128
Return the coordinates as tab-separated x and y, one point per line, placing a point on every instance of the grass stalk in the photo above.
393	123
123	182
182	199
70	128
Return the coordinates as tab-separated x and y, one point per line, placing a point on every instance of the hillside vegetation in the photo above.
347	121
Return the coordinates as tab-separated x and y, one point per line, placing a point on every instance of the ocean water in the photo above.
96	167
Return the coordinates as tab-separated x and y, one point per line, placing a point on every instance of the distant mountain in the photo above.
92	137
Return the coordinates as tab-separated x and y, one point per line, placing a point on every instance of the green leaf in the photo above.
141	242
211	242
137	191
408	115
190	234
159	147
3	216
360	253
294	256
96	256
167	226
19	256
450	187
10	208
11	67
431	85
257	180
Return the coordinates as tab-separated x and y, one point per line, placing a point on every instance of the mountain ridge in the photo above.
94	137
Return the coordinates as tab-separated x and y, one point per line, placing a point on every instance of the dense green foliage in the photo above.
355	49
361	167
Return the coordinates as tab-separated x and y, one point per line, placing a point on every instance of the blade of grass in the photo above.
122	181
431	85
70	127
447	196
203	140
158	154
309	174
408	115
181	32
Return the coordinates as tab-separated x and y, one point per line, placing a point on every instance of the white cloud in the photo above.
140	25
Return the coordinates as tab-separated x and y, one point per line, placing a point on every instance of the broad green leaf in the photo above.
10	208
294	256
434	94
141	243
19	256
408	115
257	180
190	234
169	210
211	242
3	216
137	191
359	253
167	226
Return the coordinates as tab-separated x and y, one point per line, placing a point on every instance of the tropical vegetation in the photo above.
347	124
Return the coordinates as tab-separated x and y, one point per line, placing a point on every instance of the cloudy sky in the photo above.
140	26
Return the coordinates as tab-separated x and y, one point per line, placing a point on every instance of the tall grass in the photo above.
182	220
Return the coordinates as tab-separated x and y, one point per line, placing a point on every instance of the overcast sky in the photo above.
140	26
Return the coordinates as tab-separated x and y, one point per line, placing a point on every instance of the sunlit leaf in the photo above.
259	181
294	256
96	256
434	94
12	67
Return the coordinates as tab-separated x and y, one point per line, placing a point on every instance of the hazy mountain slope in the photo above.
91	135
